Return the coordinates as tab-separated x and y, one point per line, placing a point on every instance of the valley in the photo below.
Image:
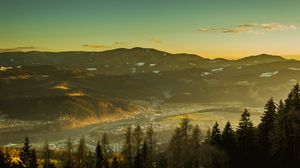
55	96
163	119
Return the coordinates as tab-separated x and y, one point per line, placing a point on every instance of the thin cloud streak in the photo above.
95	46
22	48
155	40
255	28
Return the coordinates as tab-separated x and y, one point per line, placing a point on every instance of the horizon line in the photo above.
285	56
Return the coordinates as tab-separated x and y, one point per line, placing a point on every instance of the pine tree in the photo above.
46	155
195	146
68	162
90	160
105	146
265	128
33	160
99	156
176	149
127	149
25	154
151	141
185	127
228	139
245	139
81	153
228	142
4	159
115	163
145	162
138	137
216	135
286	135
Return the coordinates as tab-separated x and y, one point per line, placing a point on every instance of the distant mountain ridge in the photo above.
92	83
124	59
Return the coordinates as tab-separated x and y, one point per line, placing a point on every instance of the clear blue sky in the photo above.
212	28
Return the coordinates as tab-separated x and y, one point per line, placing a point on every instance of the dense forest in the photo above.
275	143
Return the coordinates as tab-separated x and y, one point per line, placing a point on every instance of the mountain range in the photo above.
43	85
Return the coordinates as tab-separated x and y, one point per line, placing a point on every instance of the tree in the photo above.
138	137
228	139
46	155
68	162
4	159
81	153
285	138
215	135
115	163
127	148
25	154
195	146
265	128
99	156
185	127
105	145
245	139
33	160
150	140
175	149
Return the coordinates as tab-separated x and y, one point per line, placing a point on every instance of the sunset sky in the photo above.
210	28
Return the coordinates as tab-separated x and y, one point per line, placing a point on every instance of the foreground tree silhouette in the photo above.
286	135
81	153
127	148
4	159
138	138
245	140
26	153
105	146
265	128
151	141
195	147
215	136
33	160
68	162
99	156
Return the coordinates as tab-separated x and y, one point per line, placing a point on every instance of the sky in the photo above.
209	28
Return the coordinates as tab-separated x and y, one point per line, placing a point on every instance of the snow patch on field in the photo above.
268	74
3	68
217	69
294	69
244	83
205	73
140	64
156	71
152	65
91	69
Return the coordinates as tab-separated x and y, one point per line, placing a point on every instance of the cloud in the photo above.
118	43
22	48
277	26
101	46
155	40
255	28
95	46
